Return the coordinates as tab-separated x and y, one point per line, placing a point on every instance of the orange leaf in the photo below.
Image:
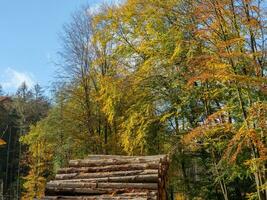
2	142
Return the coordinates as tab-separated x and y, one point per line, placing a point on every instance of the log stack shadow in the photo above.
111	177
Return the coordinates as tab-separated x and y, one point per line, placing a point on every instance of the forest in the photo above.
187	78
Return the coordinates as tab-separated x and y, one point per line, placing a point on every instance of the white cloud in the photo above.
12	79
95	8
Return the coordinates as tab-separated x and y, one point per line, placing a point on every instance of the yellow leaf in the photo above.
2	142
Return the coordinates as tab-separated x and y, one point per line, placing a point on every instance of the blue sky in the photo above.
29	39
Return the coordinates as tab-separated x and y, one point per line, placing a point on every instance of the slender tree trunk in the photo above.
106	136
217	174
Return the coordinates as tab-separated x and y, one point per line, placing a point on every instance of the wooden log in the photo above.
131	167
104	174
97	198
53	191
102	197
110	165
74	191
69	185
132	195
66	176
99	157
114	161
149	178
62	185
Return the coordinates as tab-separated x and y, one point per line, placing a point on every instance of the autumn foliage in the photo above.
182	77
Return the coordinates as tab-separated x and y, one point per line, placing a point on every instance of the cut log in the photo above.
99	157
114	161
136	196
53	191
104	174
122	195
67	176
70	191
140	166
150	178
61	185
98	198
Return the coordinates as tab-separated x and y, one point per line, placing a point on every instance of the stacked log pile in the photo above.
111	177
